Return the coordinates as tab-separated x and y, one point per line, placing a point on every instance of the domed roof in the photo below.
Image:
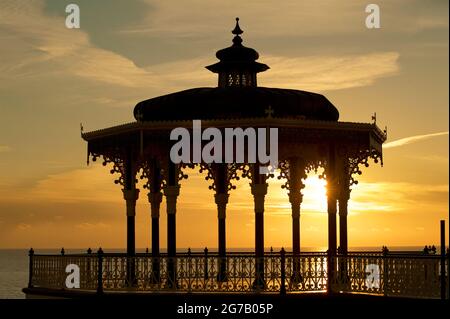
237	96
236	102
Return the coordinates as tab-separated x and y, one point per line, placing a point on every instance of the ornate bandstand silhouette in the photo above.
310	138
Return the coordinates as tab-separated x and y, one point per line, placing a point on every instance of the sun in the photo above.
314	194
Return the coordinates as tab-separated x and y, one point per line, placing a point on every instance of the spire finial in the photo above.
237	30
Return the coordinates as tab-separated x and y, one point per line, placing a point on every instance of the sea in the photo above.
14	264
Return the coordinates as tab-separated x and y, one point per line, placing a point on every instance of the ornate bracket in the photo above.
118	166
354	162
148	173
231	174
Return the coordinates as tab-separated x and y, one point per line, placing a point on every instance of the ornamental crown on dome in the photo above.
237	65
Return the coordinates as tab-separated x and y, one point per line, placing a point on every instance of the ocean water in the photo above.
14	264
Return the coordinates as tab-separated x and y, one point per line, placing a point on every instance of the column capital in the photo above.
221	201
155	200
130	194
155	197
259	189
344	194
171	190
221	198
171	193
295	198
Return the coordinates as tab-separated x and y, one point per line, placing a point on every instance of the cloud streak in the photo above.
412	139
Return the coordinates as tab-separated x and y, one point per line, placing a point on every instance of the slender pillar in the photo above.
259	191
296	174
344	196
331	202
295	198
295	184
221	199
332	209
155	199
131	196
171	192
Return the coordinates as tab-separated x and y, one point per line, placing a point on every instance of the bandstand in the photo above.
310	138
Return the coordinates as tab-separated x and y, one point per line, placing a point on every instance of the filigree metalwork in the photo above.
354	162
405	275
118	166
285	167
147	174
284	173
246	171
182	175
209	175
232	174
314	166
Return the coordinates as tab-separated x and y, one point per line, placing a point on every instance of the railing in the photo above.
400	274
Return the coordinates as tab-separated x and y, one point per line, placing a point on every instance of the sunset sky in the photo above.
53	78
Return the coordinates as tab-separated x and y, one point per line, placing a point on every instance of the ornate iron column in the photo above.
332	189
221	201
344	196
152	172
259	191
294	171
296	175
171	192
130	194
221	175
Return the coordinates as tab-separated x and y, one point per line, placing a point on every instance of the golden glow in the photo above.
53	78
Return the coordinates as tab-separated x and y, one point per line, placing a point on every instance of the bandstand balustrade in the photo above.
405	274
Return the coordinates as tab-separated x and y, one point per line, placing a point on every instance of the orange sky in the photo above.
53	78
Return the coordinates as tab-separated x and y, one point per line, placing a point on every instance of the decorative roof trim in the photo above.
220	123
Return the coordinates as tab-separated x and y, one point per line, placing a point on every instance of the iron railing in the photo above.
389	274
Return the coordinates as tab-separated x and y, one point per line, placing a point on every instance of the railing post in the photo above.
448	272
443	279
189	269
88	267
283	271
331	262
30	270
100	271
385	252
206	264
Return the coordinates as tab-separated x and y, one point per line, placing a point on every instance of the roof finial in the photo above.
237	30
237	40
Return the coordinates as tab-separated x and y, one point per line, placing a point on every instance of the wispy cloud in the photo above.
309	73
54	51
36	51
292	18
412	139
321	73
